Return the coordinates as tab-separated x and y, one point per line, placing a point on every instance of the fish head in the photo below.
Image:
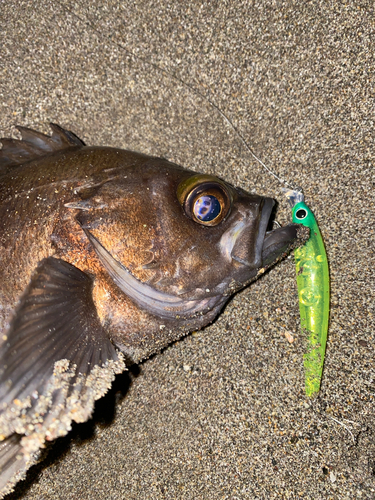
180	237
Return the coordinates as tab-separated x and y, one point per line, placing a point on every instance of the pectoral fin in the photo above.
55	362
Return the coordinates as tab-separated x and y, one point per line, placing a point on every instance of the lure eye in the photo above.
205	199
301	214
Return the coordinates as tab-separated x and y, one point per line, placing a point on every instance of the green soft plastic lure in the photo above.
313	291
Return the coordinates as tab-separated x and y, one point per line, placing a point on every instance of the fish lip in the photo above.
266	211
237	245
278	242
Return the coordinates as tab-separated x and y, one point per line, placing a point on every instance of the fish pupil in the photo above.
206	208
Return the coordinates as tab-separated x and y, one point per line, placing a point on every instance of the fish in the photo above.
107	256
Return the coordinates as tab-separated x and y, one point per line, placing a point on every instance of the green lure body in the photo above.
313	292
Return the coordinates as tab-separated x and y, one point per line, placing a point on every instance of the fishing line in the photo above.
193	90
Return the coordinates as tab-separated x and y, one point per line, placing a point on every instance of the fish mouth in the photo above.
276	243
261	248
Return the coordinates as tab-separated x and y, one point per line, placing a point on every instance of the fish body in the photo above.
107	256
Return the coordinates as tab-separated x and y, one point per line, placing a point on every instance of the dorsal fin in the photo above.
34	145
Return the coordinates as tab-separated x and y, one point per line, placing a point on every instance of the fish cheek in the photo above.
189	251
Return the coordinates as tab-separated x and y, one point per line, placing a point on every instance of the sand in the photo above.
222	414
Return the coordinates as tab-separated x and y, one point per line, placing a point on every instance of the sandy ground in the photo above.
222	414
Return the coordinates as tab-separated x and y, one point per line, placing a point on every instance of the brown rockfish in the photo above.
106	257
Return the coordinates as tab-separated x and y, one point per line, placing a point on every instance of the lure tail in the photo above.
313	292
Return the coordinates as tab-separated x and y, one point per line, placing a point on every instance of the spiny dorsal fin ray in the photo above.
34	145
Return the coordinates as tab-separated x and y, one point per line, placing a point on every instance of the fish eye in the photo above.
301	214
205	199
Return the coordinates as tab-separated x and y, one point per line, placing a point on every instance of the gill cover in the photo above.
159	303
